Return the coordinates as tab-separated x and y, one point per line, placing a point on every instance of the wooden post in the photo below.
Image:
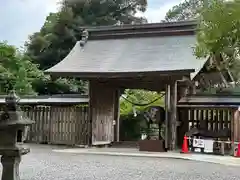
183	128
192	88
173	115
90	124
173	101
167	112
117	116
182	90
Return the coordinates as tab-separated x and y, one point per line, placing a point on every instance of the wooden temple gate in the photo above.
114	58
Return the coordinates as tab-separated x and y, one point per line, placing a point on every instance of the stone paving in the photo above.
225	160
45	164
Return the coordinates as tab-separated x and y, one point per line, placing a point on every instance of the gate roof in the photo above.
210	101
133	50
61	99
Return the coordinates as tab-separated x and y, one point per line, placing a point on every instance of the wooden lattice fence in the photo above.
58	125
214	119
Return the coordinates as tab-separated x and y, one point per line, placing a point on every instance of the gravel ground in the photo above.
43	164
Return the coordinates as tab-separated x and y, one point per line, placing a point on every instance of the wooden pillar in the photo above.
235	126
173	102
117	117
90	102
184	125
171	119
182	114
167	112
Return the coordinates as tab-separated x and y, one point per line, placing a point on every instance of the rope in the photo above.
138	104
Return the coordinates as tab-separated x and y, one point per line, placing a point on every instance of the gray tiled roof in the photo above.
50	100
215	100
149	54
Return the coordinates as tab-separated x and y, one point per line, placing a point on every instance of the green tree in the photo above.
62	29
17	71
218	35
141	98
188	10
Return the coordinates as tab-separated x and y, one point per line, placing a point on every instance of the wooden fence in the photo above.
58	125
214	119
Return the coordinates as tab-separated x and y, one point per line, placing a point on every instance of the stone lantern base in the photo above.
10	160
10	167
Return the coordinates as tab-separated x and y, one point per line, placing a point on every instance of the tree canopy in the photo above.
217	34
187	10
17	71
63	29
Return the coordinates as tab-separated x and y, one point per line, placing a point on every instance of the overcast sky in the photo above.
20	18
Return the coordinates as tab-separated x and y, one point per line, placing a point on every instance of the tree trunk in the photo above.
217	59
231	77
223	79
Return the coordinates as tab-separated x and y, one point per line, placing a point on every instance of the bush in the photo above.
130	127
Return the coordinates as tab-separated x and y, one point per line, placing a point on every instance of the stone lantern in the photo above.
12	126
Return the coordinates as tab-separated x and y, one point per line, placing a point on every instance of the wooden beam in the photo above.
207	106
120	75
147	83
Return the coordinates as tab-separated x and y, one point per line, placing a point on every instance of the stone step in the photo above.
125	144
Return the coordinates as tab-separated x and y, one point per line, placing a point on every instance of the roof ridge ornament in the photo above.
84	38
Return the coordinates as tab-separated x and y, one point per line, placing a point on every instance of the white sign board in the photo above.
208	146
198	143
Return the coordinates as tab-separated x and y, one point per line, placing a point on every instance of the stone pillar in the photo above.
10	167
